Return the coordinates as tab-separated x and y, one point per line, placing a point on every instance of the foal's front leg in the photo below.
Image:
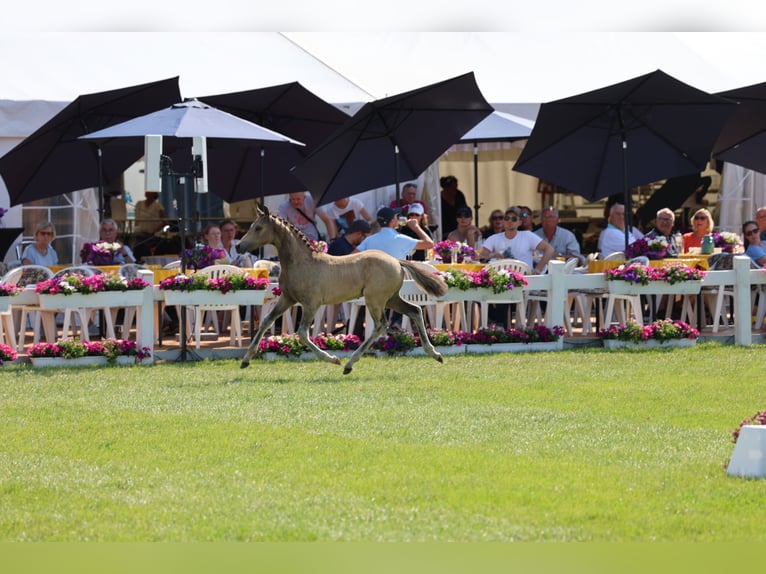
303	334
282	304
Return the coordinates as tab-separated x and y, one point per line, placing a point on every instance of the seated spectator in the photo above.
760	217
754	246
108	231
390	241
496	224
409	196
466	231
150	216
612	238
343	213
514	243
663	227
348	242
702	225
527	219
562	240
415	211
41	252
229	244
299	209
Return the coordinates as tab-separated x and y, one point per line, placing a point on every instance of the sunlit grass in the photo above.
573	445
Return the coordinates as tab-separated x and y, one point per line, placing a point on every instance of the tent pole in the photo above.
476	182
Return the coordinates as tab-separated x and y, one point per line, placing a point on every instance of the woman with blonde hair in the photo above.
40	252
702	225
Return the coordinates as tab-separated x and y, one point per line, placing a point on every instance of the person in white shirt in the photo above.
389	240
517	244
612	238
343	213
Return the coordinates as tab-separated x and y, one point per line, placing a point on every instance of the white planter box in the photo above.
443	350
5	300
202	297
654	288
61	362
103	299
483	294
123	360
615	344
514	347
310	356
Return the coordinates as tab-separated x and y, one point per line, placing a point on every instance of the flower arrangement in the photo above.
499	280
318	246
662	330
75	348
76	283
529	334
9	289
7	353
643	274
758	418
201	256
726	240
652	247
99	253
203	282
395	343
291	345
449	250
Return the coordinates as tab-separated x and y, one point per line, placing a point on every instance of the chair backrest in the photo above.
510	265
641	259
84	270
216	271
27	275
615	256
130	270
173	265
721	261
571	265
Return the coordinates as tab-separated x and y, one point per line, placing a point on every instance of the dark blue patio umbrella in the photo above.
742	140
53	160
393	138
615	138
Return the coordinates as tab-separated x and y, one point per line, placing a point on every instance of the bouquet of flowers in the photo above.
726	240
318	245
450	251
85	285
7	353
201	256
9	289
99	253
651	247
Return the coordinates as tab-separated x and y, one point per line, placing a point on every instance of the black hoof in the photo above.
440	359
244	364
347	370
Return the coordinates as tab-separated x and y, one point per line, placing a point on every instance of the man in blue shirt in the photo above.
347	243
389	240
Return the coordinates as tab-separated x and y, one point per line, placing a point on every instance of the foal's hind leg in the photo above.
303	333
280	307
415	313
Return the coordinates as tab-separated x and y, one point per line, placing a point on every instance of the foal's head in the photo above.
269	230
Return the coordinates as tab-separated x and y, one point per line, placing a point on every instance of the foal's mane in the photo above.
290	228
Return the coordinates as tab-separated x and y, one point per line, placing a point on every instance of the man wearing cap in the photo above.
466	231
390	241
347	244
416	212
514	243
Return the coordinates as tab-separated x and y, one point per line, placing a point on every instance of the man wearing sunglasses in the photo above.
515	243
527	219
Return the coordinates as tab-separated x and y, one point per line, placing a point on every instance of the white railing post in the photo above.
557	294
743	330
145	316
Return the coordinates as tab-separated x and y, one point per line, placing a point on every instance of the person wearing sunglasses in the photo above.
514	243
466	231
702	225
496	224
754	246
527	219
40	252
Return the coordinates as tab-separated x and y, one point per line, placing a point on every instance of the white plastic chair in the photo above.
618	303
216	272
521	306
128	271
24	276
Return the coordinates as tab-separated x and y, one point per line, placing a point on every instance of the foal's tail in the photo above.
426	278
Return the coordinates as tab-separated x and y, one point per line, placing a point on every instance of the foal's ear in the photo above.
263	210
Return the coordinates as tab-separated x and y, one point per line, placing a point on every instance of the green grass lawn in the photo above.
584	445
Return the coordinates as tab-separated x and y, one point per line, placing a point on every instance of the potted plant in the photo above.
7	290
7	354
394	343
100	290
654	248
488	284
74	352
450	251
727	241
495	339
201	256
290	346
748	439
99	253
665	332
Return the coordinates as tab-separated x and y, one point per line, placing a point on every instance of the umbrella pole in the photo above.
100	184
626	189
476	182
396	171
